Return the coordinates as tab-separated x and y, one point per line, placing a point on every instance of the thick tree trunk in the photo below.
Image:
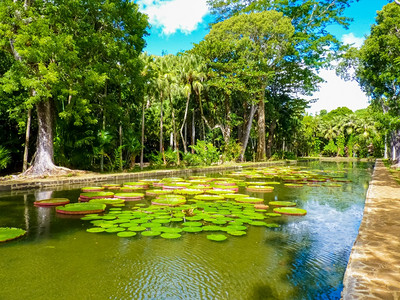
246	135
202	117
261	127
27	136
175	133
43	163
271	133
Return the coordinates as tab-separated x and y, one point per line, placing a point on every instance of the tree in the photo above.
62	49
378	69
245	50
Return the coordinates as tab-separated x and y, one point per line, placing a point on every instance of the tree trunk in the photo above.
247	132
202	117
183	124
43	163
271	133
175	133
161	130
193	132
27	136
261	127
142	141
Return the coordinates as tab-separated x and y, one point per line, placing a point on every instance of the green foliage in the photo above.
340	141
330	149
232	151
350	145
5	157
205	154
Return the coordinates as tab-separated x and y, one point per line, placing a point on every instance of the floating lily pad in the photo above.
129	196
168	235
137	228
273	225
282	203
52	202
169	201
292	211
236	232
258	223
95	195
158	192
251	200
141	185
111	186
217	237
170	229
236	228
114	229
81	208
261	206
126	234
212	228
10	233
92	189
95	230
209	197
192	229
273	215
189	192
150	233
259	188
192	224
293	185
110	201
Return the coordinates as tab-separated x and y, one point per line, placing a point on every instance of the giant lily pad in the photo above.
217	237
251	200
150	233
129	196
158	192
92	189
169	201
292	211
126	234
52	202
110	201
141	185
10	233
259	188
168	235
282	203
188	192
95	195
81	208
209	197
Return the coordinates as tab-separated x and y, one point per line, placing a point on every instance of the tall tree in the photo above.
58	47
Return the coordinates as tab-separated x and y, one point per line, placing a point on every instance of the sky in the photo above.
177	24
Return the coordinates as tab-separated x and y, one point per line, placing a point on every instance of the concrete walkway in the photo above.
373	271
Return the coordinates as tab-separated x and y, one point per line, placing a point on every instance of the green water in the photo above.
303	259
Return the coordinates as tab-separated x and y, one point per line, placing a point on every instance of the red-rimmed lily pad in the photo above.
52	202
282	203
261	206
251	200
95	195
155	193
259	188
10	233
292	211
142	185
81	208
129	196
111	186
169	201
209	197
92	189
189	192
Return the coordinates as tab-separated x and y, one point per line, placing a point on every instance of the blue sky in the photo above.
177	24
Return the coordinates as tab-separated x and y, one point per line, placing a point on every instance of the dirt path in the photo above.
373	271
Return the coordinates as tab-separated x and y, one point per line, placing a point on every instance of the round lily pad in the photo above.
217	237
150	233
142	185
234	196
81	208
236	232
192	229
137	228
282	203
129	196
259	188
192	224
169	201
52	202
110	201
10	233
126	234
258	223
95	195
114	229
272	215
168	235
189	192
292	211
95	229
252	200
111	186
158	192
293	185
209	197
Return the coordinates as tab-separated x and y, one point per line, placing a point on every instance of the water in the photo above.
303	259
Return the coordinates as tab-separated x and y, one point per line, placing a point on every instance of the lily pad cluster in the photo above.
219	219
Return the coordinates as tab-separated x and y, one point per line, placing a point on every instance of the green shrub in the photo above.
232	151
330	149
205	154
5	157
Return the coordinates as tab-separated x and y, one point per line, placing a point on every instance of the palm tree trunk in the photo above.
142	141
193	132
161	130
183	124
261	145
174	132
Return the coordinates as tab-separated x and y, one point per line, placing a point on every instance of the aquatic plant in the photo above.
10	233
51	202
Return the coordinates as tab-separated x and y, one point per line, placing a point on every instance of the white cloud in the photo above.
174	15
336	92
351	39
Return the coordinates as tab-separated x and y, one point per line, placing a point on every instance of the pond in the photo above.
304	258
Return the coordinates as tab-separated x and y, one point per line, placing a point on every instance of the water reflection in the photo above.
303	259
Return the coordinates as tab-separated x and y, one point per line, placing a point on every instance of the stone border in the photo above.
373	271
85	180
